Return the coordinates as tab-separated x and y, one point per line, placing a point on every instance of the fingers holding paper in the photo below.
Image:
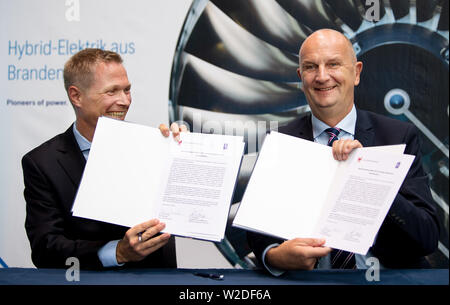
297	253
342	148
140	241
175	128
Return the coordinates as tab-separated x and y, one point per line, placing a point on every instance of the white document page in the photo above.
366	184
196	195
287	187
122	175
296	190
126	179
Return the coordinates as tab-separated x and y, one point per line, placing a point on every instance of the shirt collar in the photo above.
83	143
347	124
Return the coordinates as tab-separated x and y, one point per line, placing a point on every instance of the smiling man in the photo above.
329	72
97	85
329	75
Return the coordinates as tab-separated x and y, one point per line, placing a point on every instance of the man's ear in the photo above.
74	96
299	73
358	69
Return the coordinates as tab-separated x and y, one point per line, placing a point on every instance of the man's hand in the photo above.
175	128
342	148
131	249
297	253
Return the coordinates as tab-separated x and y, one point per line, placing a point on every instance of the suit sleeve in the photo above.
259	242
411	228
45	224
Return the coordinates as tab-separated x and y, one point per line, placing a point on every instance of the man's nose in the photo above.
322	74
124	98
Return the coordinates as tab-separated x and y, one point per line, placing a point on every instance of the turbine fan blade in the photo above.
232	93
314	14
443	19
348	11
266	20
400	8
425	9
221	42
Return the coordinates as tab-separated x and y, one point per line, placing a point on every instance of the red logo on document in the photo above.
359	159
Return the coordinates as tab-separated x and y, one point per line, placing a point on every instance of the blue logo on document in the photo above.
397	165
225	146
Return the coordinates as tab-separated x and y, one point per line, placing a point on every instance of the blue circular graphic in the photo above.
397	101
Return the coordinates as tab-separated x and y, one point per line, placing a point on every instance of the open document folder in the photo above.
134	174
297	189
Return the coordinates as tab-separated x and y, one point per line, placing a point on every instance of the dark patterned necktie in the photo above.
333	134
339	259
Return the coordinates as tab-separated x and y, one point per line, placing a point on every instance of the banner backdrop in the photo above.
37	38
223	66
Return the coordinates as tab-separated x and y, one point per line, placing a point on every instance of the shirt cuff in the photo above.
107	254
272	270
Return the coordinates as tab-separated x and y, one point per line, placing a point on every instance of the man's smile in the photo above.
116	114
326	88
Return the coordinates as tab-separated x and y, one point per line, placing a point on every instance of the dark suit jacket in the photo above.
52	173
410	230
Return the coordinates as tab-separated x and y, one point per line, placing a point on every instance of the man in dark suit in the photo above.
329	72
97	84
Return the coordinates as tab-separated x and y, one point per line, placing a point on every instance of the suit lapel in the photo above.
305	128
70	157
364	131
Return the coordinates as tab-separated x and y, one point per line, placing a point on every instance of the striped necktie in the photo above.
339	259
333	134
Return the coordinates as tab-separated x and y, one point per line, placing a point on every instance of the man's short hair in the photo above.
78	70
